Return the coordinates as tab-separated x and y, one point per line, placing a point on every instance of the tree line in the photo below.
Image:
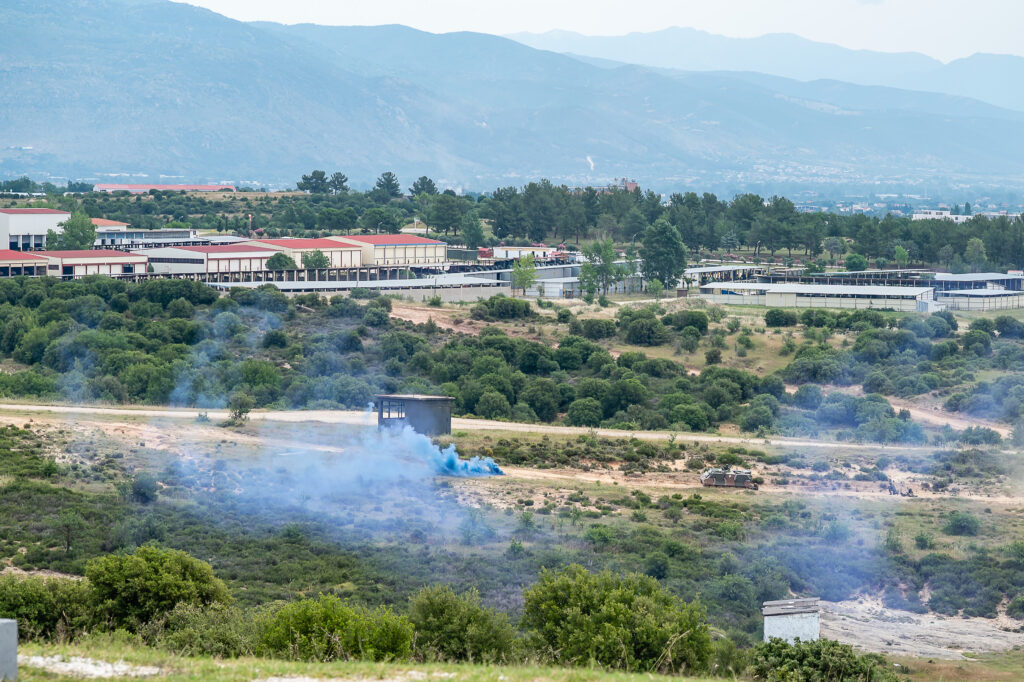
544	212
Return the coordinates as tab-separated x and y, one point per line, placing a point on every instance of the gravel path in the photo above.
358	418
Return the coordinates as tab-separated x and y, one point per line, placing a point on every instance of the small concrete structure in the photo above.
430	415
792	619
8	649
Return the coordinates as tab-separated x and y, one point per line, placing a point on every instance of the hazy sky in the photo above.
945	29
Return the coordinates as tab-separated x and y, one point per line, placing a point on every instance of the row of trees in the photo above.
543	211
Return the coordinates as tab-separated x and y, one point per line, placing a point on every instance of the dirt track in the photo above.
369	419
868	625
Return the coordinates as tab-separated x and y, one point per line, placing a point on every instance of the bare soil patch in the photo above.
867	624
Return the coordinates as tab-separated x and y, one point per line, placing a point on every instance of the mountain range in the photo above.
991	78
153	89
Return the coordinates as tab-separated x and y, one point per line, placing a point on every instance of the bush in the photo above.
325	629
697	319
646	332
376	317
628	622
808	397
131	589
493	405
961	523
215	630
598	329
275	338
713	356
47	607
455	627
776	317
584	412
823	659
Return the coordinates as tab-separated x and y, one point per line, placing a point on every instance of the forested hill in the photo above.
94	87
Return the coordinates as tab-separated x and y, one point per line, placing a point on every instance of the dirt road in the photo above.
356	418
867	624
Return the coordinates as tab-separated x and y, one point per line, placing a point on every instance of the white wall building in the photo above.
792	619
339	254
932	214
205	259
794	295
121	235
503	252
75	264
24	229
398	249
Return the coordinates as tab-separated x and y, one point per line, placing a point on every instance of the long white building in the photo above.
208	259
794	295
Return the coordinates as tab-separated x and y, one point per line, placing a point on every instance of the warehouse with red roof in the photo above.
339	254
398	249
208	259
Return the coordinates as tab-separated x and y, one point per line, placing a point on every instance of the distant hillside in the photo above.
990	78
158	89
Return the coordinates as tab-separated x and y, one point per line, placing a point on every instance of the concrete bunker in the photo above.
430	415
792	619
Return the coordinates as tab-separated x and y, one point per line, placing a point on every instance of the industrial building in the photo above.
75	264
449	287
515	252
699	276
791	295
24	229
208	259
980	299
115	234
792	619
398	249
1013	281
339	254
18	263
430	415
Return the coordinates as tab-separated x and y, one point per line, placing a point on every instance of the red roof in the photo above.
103	222
391	239
226	248
306	243
172	188
91	253
30	211
10	254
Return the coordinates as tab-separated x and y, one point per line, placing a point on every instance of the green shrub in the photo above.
132	589
47	607
961	523
215	630
325	629
456	627
376	317
824	659
493	405
595	329
776	317
584	412
628	622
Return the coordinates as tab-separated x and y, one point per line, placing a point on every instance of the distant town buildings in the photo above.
939	214
142	189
